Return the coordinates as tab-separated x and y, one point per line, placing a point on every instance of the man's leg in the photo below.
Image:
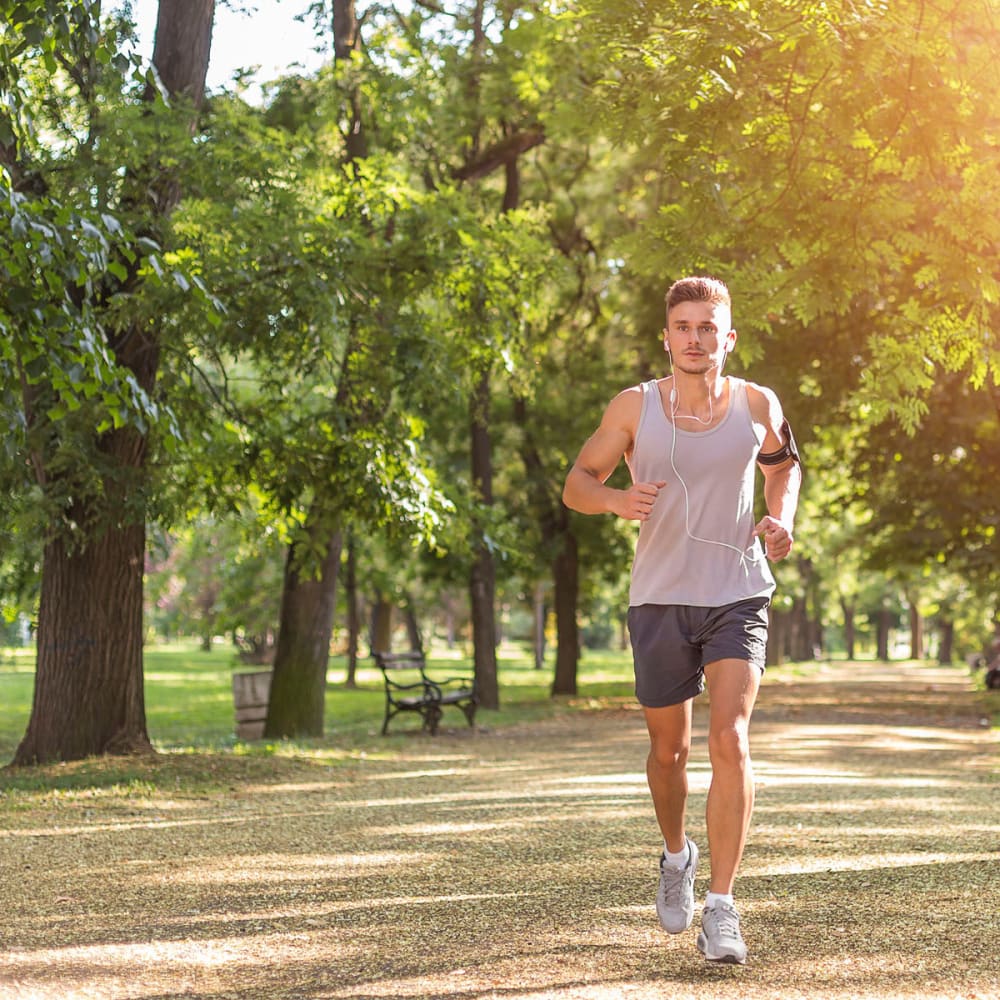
666	768
666	771
732	686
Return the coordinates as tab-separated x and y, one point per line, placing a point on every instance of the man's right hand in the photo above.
636	503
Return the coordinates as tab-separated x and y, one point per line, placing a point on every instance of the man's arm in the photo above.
781	494
782	479
585	490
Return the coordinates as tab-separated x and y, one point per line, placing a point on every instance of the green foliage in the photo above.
85	272
218	576
933	495
322	324
834	162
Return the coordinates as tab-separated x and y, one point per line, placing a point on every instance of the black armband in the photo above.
789	450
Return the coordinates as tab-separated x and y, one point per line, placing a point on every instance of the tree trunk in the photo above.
482	578
482	573
800	632
916	629
303	658
183	45
381	624
946	649
482	590
884	626
298	687
814	604
540	614
850	636
347	42
566	572
413	632
89	682
776	637
353	617
89	678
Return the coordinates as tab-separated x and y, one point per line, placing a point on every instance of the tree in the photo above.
315	368
218	575
308	599
374	271
89	378
834	162
935	510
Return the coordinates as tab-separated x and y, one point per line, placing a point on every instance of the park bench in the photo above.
408	688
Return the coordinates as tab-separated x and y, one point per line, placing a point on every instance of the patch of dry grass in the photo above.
521	863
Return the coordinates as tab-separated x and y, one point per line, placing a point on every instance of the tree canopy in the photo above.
381	310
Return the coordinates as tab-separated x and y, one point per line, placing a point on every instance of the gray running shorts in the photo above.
671	643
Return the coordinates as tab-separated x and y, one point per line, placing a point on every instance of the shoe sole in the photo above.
722	959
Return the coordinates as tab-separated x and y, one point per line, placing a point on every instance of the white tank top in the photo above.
718	467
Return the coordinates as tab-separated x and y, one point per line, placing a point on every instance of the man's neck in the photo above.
700	386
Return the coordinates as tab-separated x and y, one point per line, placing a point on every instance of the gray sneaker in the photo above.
719	939
675	895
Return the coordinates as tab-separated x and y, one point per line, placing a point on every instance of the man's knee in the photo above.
669	754
729	746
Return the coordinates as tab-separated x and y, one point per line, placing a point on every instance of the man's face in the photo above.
698	336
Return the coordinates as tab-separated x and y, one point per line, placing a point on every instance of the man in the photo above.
700	583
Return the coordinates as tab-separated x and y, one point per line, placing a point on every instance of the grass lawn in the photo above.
189	703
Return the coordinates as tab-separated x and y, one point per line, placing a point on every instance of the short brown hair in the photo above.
698	290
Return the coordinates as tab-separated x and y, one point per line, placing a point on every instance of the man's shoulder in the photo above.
761	397
632	396
764	406
625	409
755	388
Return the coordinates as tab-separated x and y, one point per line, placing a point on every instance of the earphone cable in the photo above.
742	553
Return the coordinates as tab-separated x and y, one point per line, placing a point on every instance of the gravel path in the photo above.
521	863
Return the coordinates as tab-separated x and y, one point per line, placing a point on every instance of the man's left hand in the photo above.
777	538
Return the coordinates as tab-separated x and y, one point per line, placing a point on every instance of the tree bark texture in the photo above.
89	683
413	631
298	688
182	46
381	624
89	678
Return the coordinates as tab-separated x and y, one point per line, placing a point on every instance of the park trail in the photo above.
517	863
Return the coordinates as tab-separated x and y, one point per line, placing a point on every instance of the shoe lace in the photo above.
726	920
673	884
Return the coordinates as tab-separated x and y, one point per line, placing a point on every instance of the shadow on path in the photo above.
522	864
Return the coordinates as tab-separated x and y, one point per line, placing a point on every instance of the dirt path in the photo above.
522	864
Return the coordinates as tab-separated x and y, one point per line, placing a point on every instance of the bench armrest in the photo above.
426	685
461	682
